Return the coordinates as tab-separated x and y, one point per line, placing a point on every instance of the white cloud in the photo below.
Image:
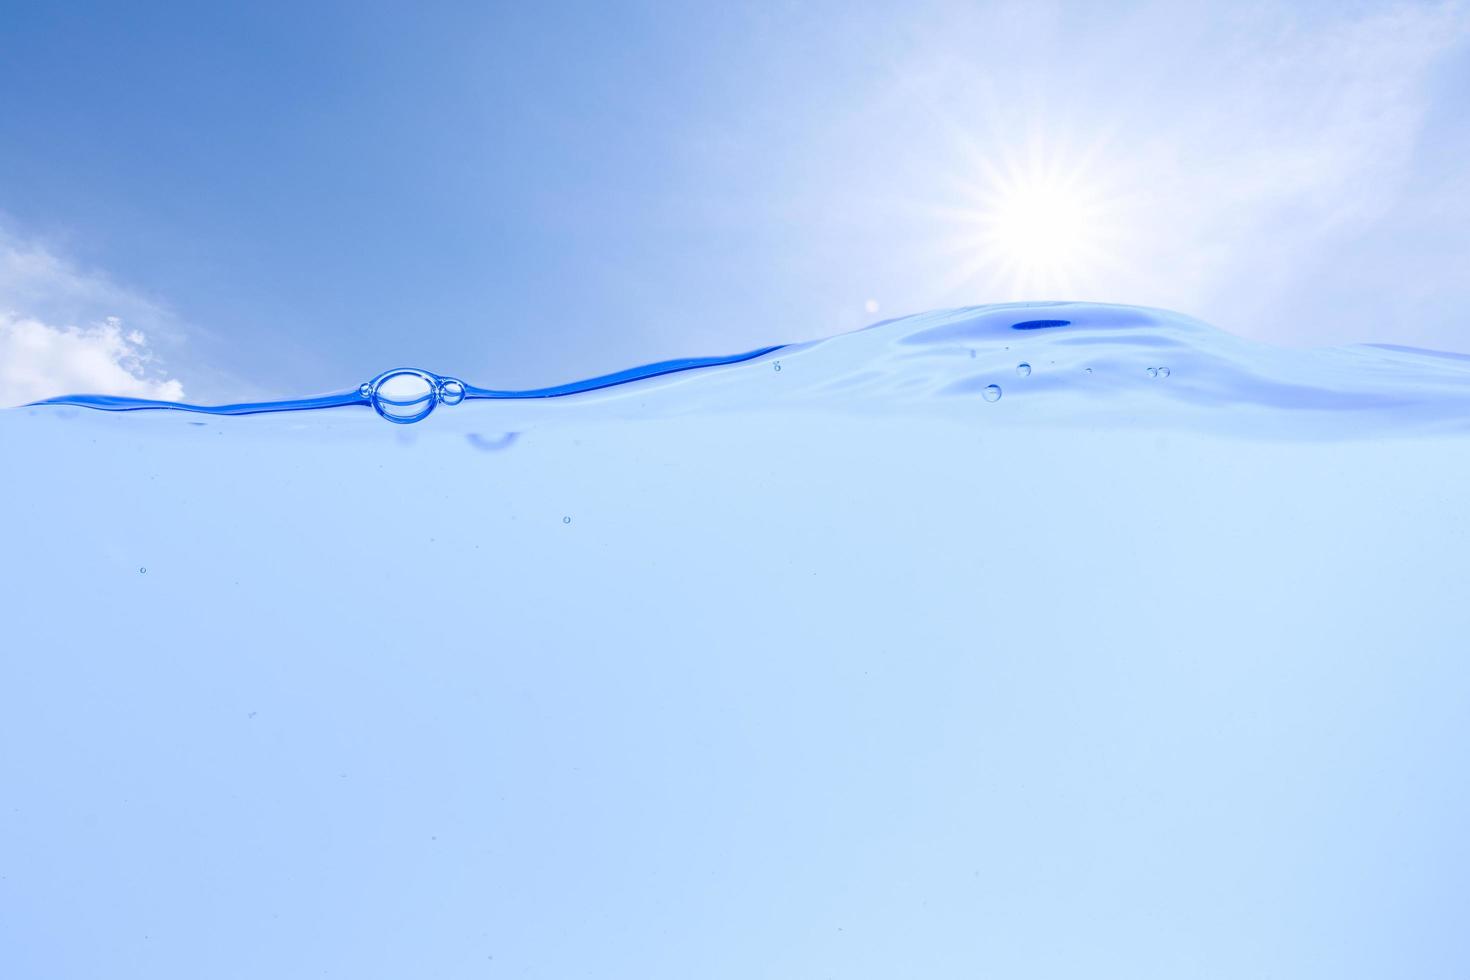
38	360
1303	140
64	330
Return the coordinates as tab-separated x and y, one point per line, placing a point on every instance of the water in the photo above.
1231	379
407	395
703	669
1319	390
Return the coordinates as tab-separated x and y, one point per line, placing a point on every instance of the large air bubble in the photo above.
406	395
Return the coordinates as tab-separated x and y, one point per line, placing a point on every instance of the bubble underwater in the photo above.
870	656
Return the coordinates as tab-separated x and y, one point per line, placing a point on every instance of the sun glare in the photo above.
1034	230
1039	227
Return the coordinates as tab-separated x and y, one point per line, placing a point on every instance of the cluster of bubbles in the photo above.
992	393
406	395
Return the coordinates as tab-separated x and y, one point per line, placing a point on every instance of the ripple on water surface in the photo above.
1096	355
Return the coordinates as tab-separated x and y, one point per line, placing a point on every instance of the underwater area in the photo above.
1024	640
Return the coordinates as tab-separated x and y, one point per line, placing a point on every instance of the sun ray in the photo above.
1033	219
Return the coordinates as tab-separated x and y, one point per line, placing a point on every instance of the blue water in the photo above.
944	649
1097	353
407	395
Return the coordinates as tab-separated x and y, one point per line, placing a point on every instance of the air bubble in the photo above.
778	365
566	520
142	571
1087	370
991	393
451	391
1163	372
1023	369
407	395
1153	372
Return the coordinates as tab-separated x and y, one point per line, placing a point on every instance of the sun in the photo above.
1039	228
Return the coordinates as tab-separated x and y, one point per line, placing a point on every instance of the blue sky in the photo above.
283	199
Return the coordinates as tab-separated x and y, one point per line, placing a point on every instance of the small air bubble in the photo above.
566	520
992	393
1163	372
1153	372
365	389
451	391
1087	370
778	365
1023	369
142	571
